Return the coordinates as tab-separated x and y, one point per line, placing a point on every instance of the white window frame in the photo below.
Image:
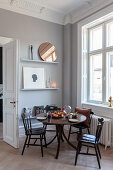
89	53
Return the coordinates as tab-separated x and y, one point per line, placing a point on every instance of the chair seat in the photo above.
87	138
80	125
35	131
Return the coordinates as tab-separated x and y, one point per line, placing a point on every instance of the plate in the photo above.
41	118
73	120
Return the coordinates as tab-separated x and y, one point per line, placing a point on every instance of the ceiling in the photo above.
54	10
63	6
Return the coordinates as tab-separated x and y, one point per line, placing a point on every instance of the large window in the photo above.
98	62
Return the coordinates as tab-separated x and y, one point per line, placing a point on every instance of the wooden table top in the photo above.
62	121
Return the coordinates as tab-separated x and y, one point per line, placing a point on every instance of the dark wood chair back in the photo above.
91	114
26	122
99	129
51	108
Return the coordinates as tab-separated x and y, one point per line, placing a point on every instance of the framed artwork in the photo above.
33	78
38	110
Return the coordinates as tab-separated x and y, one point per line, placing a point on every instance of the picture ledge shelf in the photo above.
40	89
38	61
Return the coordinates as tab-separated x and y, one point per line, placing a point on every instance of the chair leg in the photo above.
80	146
87	149
45	140
80	131
29	140
62	139
35	141
99	151
69	133
97	157
41	144
88	130
57	132
24	145
77	152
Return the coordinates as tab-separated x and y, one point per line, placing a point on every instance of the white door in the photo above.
10	94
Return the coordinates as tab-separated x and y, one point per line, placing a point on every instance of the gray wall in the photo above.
67	64
27	28
52	71
35	31
70	65
74	65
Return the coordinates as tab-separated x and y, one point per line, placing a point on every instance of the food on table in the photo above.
67	115
73	115
57	114
54	115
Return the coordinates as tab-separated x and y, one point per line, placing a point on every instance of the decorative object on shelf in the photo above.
47	52
31	52
48	83
53	84
110	100
33	78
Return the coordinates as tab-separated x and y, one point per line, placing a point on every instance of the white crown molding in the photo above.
27	7
34	9
67	19
87	11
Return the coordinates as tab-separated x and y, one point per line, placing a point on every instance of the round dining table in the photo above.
59	123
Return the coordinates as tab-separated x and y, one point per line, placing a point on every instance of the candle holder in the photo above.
110	100
53	84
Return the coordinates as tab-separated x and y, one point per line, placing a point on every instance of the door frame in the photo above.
17	92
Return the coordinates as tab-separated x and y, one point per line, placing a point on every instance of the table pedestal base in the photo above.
60	134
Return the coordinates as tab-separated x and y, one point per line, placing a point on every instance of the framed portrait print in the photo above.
33	78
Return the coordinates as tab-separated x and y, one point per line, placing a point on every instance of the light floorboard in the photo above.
11	159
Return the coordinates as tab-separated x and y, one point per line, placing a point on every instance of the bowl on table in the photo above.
57	114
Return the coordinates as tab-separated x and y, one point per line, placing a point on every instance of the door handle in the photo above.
12	102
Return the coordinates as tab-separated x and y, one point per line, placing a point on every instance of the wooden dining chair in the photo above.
52	108
37	133
90	141
84	125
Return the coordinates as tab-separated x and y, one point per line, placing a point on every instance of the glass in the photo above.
96	38
109	34
95	82
109	75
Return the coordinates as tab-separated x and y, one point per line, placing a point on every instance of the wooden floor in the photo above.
11	159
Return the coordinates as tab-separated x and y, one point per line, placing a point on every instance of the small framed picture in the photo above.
33	78
38	110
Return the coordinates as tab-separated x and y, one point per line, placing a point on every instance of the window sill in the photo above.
99	109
